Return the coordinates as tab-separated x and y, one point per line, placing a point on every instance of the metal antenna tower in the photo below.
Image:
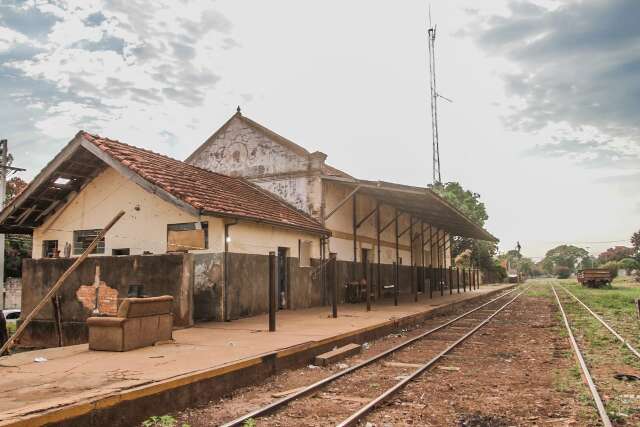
434	102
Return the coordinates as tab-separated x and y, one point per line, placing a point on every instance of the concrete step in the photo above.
340	353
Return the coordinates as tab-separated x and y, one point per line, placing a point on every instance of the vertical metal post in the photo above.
458	278
378	248
440	271
396	267
334	296
355	241
414	281
464	280
395	283
450	280
272	292
422	254
432	271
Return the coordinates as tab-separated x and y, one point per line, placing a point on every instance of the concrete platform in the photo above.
76	386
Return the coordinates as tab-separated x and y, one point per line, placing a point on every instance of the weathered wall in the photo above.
241	150
11	293
248	288
159	275
142	228
208	283
300	191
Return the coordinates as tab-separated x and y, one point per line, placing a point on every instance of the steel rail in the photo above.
605	324
356	416
585	371
312	387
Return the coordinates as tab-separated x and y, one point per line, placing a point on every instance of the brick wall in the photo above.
107	301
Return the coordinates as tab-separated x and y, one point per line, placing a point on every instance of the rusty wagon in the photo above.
594	277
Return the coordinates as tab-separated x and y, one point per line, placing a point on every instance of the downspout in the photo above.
225	273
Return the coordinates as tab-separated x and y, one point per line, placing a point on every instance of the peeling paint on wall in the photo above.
240	150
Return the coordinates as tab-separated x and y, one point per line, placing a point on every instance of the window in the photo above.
305	253
122	251
83	238
187	236
49	248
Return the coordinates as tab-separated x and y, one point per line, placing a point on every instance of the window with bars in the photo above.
49	248
83	238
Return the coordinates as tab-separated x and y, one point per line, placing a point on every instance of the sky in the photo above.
543	124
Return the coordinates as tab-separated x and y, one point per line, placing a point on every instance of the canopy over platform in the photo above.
420	202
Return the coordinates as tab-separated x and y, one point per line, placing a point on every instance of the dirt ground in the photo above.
518	370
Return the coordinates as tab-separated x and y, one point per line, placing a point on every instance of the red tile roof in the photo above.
207	191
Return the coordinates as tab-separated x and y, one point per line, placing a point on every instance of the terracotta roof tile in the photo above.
209	191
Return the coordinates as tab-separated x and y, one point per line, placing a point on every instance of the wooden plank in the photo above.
402	365
332	356
185	240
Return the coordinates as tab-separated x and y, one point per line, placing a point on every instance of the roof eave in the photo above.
320	230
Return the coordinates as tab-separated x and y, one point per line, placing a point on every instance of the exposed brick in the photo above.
107	298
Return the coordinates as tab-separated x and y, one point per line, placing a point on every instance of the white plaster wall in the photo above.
253	238
299	191
146	229
240	150
142	228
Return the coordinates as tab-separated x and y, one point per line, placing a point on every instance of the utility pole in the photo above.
5	166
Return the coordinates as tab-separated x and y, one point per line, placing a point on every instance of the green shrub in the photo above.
629	264
161	421
613	268
562	272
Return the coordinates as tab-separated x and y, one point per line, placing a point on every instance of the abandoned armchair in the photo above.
140	322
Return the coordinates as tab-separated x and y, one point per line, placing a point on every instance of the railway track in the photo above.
359	385
620	338
602	412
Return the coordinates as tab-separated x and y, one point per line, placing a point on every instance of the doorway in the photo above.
283	278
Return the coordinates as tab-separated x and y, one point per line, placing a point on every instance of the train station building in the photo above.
201	230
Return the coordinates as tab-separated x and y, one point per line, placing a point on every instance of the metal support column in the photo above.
334	279
414	282
422	254
272	292
378	248
355	238
396	286
432	279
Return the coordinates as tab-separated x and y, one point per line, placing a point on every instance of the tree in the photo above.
565	256
616	253
17	247
14	187
587	262
469	204
635	242
629	264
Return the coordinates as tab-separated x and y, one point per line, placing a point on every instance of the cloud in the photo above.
119	66
577	64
